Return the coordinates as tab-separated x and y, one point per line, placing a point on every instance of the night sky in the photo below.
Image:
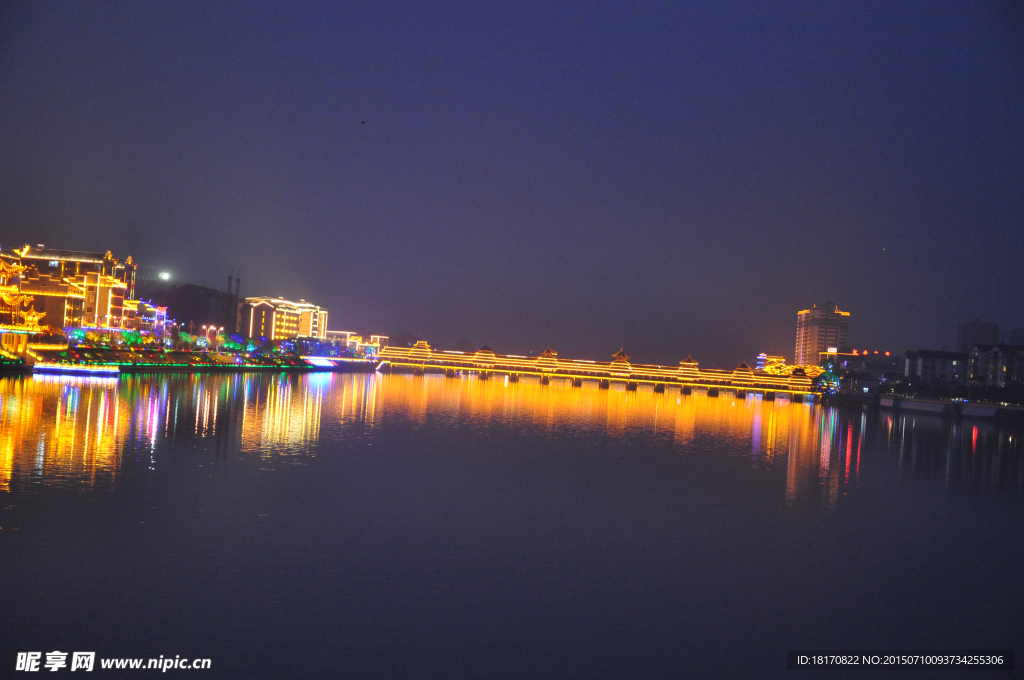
675	178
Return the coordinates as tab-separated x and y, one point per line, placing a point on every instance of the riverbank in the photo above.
956	410
112	362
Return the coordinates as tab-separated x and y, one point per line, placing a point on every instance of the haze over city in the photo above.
676	179
511	340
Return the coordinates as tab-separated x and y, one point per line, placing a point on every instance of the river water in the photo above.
392	526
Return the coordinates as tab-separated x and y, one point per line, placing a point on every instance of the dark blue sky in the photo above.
679	178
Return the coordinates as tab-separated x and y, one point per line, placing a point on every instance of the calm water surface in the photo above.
422	527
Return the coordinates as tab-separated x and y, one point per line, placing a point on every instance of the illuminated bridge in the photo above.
547	366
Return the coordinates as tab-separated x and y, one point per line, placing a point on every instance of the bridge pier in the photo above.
769	396
631	386
659	388
712	391
485	375
741	394
544	380
513	377
604	384
418	371
449	373
687	390
796	398
577	382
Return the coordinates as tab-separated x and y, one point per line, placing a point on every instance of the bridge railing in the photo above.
569	368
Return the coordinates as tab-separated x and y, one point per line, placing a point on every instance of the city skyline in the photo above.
678	179
61	280
523	340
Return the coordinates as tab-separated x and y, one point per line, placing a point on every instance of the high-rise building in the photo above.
977	332
822	328
277	319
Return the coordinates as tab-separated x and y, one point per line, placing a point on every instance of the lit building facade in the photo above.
277	319
996	365
352	340
144	316
74	288
820	329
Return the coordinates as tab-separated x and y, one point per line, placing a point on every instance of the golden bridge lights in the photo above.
421	357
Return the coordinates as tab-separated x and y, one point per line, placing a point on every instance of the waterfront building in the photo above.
75	288
141	315
278	319
821	329
976	332
357	342
339	336
929	364
996	365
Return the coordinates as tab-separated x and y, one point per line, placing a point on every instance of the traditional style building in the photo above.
74	288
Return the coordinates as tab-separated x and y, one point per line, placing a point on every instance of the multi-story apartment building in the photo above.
996	364
277	319
820	329
75	288
928	364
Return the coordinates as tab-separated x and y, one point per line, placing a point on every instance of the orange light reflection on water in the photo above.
64	428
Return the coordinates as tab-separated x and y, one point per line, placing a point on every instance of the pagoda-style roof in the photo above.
743	367
8	269
548	353
621	355
485	349
31	316
688	361
29	252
